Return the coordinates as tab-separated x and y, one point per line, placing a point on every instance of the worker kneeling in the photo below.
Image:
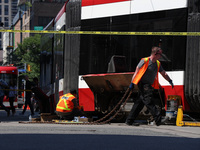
68	107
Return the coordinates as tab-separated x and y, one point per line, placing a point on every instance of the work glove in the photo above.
131	86
170	82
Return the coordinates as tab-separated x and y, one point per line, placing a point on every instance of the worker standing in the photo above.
3	85
12	96
28	96
67	106
146	77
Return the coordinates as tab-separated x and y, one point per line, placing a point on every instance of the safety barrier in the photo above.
180	122
107	32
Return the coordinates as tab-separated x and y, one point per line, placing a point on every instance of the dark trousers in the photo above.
2	105
28	102
69	115
145	99
11	100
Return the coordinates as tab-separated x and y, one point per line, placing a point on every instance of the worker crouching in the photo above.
68	107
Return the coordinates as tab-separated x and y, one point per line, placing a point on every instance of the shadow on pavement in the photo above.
16	117
97	142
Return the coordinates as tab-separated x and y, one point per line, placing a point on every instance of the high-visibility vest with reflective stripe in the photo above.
65	103
143	69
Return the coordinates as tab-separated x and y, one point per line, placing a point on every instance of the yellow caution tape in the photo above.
107	32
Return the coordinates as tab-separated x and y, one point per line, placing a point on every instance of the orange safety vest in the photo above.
65	103
143	69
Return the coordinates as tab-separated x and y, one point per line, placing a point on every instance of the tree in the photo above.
28	52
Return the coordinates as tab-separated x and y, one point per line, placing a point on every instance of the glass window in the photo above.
0	1
6	22
5	1
6	19
0	10
6	9
98	49
43	21
8	77
59	51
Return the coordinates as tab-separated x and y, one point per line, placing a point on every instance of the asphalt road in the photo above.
114	136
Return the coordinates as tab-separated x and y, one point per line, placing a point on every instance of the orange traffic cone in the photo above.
27	108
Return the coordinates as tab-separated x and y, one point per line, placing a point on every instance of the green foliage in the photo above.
28	52
28	4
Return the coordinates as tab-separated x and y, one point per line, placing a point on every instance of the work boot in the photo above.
135	124
152	123
132	123
129	123
151	119
158	120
